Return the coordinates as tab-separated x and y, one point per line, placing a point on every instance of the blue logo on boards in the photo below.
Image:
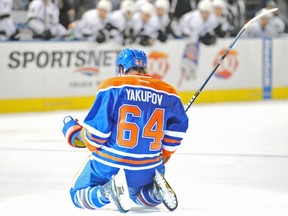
267	67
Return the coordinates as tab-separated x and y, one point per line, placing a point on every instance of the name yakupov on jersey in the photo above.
133	123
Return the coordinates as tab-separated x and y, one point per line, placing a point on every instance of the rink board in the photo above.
40	76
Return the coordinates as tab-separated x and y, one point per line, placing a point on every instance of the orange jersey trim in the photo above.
167	140
142	80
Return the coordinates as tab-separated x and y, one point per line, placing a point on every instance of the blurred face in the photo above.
102	14
128	15
145	17
264	21
160	12
205	15
218	11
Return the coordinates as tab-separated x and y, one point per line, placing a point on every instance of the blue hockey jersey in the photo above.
133	123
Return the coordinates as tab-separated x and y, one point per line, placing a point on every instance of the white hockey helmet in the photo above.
164	4
219	4
271	4
128	6
205	5
104	5
147	8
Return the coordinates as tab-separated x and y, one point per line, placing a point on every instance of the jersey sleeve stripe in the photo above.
88	142
95	139
173	146
92	144
170	148
96	132
167	140
176	134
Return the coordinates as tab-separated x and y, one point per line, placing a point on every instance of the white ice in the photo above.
232	162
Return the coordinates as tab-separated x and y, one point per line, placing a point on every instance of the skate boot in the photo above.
116	189
164	192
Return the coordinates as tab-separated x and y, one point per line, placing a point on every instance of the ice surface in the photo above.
233	161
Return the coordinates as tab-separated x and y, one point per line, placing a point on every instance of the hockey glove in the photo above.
166	155
208	39
145	40
47	35
101	38
220	32
71	130
165	160
162	36
109	27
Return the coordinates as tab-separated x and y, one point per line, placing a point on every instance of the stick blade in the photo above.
259	16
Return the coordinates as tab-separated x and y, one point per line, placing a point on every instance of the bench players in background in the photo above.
145	31
43	20
120	25
135	124
161	18
277	22
8	30
223	26
92	24
198	25
262	27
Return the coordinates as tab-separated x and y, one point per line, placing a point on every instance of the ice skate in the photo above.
165	192
116	189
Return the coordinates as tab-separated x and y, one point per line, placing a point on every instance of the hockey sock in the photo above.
89	198
147	197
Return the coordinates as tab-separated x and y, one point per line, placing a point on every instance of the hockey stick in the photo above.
224	55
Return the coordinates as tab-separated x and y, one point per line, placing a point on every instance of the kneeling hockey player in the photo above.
133	127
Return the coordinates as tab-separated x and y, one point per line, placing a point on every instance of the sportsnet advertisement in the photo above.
55	69
75	69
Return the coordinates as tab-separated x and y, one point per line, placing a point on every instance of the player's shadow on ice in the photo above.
145	210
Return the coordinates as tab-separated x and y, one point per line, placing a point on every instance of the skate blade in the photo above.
122	188
168	197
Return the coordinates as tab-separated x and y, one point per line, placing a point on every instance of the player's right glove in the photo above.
71	131
166	155
166	159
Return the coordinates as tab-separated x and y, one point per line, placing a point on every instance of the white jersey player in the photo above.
277	22
261	28
92	24
221	13
145	30
43	20
161	19
198	23
8	29
140	3
120	23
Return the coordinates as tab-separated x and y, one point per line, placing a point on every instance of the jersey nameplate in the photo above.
144	96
